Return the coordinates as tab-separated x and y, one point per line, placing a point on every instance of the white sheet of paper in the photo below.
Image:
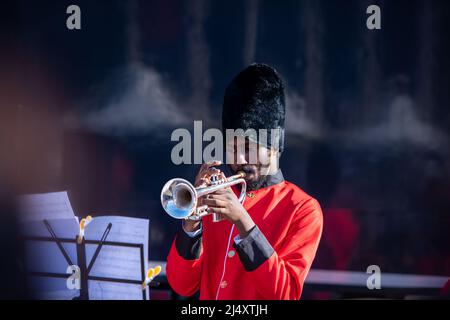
101	290
115	261
45	256
63	228
37	207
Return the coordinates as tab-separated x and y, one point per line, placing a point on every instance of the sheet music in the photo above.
63	228
113	261
45	256
100	290
37	207
118	262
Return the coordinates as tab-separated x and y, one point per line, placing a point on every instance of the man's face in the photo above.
251	158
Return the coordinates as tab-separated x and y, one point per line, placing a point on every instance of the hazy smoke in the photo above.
143	104
402	125
297	120
198	59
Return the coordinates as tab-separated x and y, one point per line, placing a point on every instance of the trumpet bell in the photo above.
179	198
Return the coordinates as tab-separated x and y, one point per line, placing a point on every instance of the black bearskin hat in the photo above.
255	100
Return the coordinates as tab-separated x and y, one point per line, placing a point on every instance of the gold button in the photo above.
231	253
250	195
223	284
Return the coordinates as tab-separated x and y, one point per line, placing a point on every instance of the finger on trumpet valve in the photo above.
214	179
202	211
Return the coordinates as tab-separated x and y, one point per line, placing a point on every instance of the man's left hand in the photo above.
225	203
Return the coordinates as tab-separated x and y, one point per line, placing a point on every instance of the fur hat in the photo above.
255	100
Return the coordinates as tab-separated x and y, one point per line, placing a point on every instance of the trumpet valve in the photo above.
217	179
201	211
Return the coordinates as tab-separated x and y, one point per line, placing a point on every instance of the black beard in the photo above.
256	184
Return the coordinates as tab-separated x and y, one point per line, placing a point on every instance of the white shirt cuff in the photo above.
192	234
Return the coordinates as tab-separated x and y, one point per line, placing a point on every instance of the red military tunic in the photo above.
272	262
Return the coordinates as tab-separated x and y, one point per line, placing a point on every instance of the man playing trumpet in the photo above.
264	247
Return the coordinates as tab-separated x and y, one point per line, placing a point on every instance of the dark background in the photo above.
91	111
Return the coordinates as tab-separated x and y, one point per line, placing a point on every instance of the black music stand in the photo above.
81	260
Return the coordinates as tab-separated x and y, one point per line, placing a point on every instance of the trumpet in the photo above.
179	197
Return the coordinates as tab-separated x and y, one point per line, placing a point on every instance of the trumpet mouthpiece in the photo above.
242	174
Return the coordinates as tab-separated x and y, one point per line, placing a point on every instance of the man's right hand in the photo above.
205	173
202	178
